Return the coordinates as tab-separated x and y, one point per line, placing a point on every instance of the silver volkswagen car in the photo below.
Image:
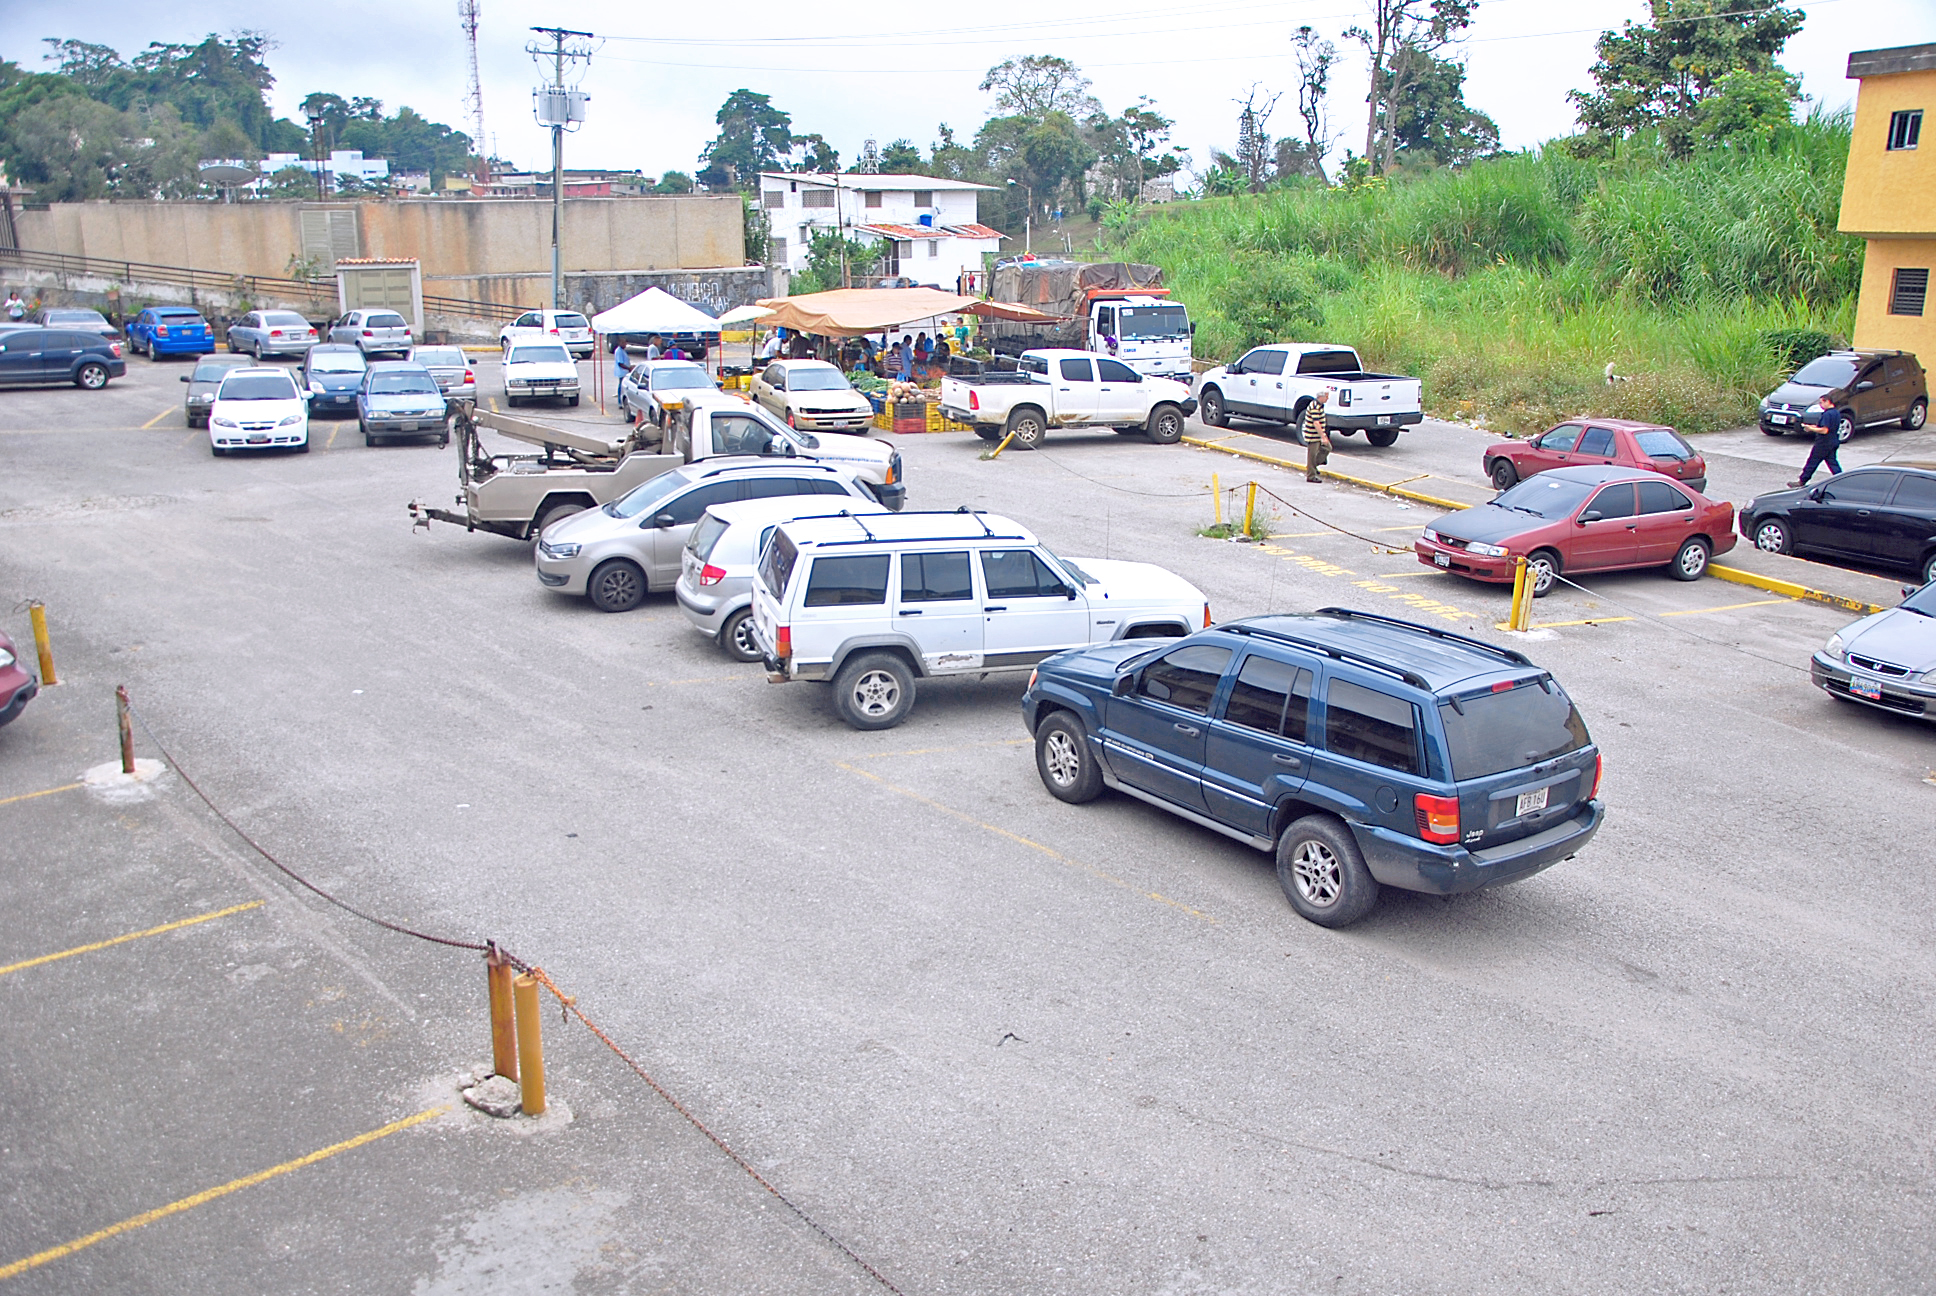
616	554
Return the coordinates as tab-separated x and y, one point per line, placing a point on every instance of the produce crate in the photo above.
911	416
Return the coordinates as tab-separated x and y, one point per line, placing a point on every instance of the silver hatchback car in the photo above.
264	333
715	587
616	554
374	332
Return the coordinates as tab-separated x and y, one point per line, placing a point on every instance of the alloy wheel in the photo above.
1317	873
1061	759
1771	537
876	693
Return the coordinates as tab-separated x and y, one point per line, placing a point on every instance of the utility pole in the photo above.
557	109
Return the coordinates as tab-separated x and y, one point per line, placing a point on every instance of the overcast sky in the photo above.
659	71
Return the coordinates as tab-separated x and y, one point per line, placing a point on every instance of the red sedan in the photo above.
17	686
1596	443
1576	520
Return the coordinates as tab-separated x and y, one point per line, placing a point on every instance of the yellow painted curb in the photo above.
1298	466
1790	589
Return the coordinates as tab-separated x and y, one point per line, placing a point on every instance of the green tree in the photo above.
815	154
1315	58
1432	123
410	141
901	158
753	137
289	182
673	182
1660	76
1038	85
823	261
1400	31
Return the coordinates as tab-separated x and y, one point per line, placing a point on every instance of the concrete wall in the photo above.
451	237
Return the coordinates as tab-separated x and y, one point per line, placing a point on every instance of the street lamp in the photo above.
316	118
1028	216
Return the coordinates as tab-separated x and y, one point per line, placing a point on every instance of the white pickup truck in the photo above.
704	423
1277	383
1058	388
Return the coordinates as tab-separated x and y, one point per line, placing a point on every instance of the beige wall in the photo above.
450	237
1874	325
1890	191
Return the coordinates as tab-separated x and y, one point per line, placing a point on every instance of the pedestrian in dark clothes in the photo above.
1828	441
1317	440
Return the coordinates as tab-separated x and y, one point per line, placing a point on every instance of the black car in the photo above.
1883	516
1363	751
1868	388
202	383
47	356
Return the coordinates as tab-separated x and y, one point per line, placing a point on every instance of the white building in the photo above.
928	224
342	162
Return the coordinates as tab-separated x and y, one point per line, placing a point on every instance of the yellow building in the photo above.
1889	198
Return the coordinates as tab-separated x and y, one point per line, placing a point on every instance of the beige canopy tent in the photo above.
852	312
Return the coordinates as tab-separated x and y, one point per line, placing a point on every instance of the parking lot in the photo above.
986	1040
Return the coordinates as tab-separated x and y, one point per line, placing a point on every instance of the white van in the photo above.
873	603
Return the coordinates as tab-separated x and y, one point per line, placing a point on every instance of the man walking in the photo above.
1828	441
1317	441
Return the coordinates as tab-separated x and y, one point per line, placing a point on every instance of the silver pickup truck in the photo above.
1278	382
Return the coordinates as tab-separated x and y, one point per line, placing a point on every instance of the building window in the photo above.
1907	292
776	253
924	197
817	198
934	247
776	197
1905	128
872	198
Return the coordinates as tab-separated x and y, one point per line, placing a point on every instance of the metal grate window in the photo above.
872	198
817	198
1907	292
1905	128
776	197
776	251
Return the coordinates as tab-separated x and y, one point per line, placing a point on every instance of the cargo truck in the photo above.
1114	307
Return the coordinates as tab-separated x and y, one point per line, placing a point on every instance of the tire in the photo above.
1773	431
216	450
1323	873
1165	426
573	402
1844	429
257	352
1296	425
988	434
304	447
1918	414
874	691
1771	535
1381	436
1504	475
616	586
1690	564
1063	760
736	637
1210	408
91	377
1543	568
369	438
552	514
1929	570
154	357
1028	427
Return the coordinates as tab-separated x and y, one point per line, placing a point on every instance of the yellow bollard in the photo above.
1517	618
38	615
1216	495
531	1095
1250	507
504	1031
996	453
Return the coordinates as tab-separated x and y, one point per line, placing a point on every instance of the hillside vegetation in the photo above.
1510	284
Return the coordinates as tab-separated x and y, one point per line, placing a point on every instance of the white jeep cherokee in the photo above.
874	603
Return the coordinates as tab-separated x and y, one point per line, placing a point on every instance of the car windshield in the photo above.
1069	567
570	321
1545	496
343	362
1153	322
683	378
258	387
385	319
1828	371
402	384
214	370
817	380
642	497
539	355
284	319
443	357
1660	443
1923	600
1490	733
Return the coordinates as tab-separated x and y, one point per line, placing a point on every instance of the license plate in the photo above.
1864	689
258	438
1443	560
1779	418
1532	801
408	427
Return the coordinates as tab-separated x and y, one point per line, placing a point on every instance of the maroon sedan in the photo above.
1596	443
1576	520
17	687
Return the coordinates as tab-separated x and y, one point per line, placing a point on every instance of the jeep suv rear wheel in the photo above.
1323	873
874	691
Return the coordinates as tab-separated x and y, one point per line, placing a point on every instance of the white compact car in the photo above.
258	409
539	371
812	394
873	603
568	327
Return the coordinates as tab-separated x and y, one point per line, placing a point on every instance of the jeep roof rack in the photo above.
1413	678
1352	614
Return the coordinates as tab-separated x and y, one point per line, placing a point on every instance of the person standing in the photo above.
904	360
1828	441
771	349
621	362
16	309
1317	440
653	351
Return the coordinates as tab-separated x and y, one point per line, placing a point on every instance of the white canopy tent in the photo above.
654	311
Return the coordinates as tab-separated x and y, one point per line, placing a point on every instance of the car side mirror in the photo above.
1122	685
1591	515
184	377
664	520
1908	590
1864	386
1818	493
1069	592
1236	368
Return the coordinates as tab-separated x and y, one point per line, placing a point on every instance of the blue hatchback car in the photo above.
1363	751
170	330
401	398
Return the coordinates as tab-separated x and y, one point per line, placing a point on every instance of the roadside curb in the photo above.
1790	589
1361	482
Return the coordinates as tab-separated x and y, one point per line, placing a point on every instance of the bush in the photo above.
1795	347
1278	302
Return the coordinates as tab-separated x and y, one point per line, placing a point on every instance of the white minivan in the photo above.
873	603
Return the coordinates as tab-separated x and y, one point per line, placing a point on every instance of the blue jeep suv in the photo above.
1362	750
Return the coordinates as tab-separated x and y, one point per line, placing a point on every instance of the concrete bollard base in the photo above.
109	783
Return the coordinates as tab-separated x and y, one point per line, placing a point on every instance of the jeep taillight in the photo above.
1438	818
783	642
1599	765
711	575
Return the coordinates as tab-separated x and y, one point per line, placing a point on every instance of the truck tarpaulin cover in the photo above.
851	312
1063	287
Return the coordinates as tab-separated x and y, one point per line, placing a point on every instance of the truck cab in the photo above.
1151	334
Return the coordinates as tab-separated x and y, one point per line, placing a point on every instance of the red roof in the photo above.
977	231
905	231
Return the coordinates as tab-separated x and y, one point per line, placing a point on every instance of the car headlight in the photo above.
1836	648
1430	534
293	418
6	659
1487	551
316	387
222	422
560	550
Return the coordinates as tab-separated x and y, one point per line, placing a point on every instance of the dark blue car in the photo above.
1362	750
30	356
170	330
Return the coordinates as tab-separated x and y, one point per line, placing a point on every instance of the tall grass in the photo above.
1509	285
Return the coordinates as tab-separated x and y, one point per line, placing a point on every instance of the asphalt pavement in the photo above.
983	1040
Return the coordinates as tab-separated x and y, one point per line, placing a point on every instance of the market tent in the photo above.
851	312
654	311
743	315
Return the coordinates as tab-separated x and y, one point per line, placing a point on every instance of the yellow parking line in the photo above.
1729	607
192	434
494	408
941	751
157	418
210	1194
1020	840
332	436
119	940
28	796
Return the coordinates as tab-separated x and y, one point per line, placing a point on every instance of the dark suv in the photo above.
46	355
1361	749
1869	389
